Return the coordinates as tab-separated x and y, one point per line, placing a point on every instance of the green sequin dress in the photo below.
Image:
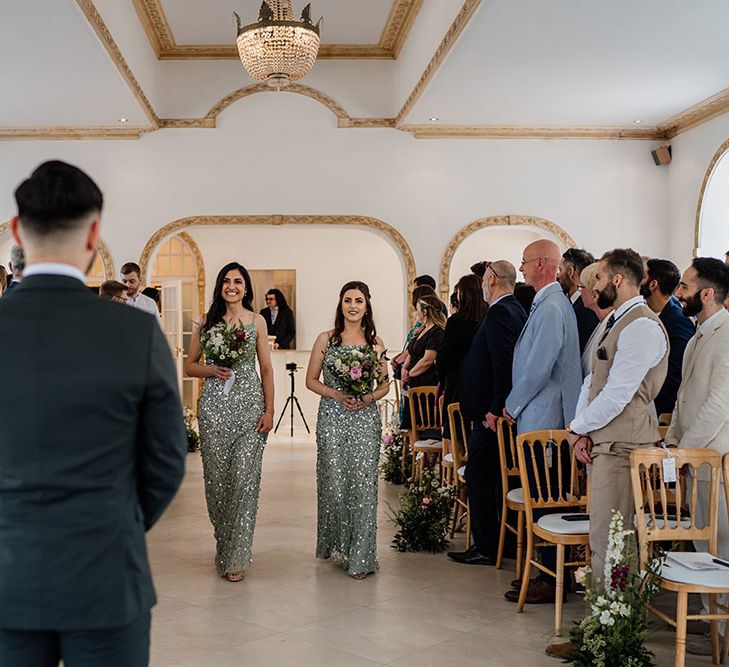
348	447
232	453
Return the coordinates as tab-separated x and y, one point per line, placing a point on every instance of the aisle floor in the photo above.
292	609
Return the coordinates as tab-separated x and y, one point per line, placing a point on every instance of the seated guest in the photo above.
279	320
113	290
429	281
700	418
524	294
587	285
485	382
154	294
661	281
456	338
574	260
130	276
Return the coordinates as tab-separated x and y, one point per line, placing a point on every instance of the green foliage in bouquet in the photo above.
424	514
223	344
193	437
391	462
359	369
613	634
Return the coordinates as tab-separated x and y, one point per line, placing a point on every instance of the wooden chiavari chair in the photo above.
424	416
459	449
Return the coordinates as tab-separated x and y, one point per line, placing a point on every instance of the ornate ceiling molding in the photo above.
454	32
71	133
97	23
696	115
702	193
516	132
400	21
494	221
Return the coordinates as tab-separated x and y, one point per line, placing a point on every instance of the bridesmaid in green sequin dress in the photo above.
234	427
348	434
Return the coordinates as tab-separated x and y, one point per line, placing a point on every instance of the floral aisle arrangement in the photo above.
614	632
191	429
358	369
424	514
222	344
391	463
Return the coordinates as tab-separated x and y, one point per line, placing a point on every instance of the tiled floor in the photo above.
419	610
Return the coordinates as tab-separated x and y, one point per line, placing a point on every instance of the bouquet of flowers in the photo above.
614	632
391	464
223	344
424	514
191	430
358	369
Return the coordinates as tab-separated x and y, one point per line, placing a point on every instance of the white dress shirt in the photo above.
143	302
641	346
574	297
54	269
274	315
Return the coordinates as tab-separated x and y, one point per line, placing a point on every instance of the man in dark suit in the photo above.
279	320
661	280
574	261
485	383
92	443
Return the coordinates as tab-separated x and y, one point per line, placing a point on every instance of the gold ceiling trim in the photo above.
494	221
520	132
454	32
62	132
200	264
97	23
702	193
714	106
157	27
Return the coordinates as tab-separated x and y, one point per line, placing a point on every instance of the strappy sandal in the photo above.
360	576
235	576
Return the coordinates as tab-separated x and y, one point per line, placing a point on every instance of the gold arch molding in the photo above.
101	248
495	221
200	264
702	193
177	226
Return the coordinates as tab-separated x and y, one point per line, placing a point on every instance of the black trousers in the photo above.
126	646
483	487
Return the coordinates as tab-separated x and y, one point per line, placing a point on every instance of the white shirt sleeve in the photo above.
641	346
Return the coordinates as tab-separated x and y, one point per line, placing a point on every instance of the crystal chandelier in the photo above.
278	49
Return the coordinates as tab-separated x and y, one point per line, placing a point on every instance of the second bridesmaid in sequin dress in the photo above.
348	434
234	426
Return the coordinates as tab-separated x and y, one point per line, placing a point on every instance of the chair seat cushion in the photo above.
448	458
516	496
462	472
673	570
554	523
430	445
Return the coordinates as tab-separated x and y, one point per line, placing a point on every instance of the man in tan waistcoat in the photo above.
615	414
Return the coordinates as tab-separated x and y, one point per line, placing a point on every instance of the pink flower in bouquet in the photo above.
426	501
355	373
241	335
389	439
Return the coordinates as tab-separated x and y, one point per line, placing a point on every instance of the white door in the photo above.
172	321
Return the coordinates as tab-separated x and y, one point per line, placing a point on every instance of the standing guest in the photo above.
113	290
399	358
587	286
154	294
3	279
573	261
546	374
130	273
16	266
419	369
700	418
485	383
456	338
429	281
453	309
86	469
279	320
615	413
524	294
657	289
479	268
234	421
348	433
726	257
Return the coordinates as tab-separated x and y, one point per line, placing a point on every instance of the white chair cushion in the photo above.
433	445
554	523
516	496
462	472
448	458
673	570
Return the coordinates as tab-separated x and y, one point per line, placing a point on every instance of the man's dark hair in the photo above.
131	267
714	273
425	279
56	199
524	294
665	273
281	302
419	292
152	293
626	262
579	258
479	268
111	288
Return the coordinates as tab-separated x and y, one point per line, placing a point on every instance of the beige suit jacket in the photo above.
701	415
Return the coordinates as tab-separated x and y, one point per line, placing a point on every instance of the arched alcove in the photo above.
509	234
711	234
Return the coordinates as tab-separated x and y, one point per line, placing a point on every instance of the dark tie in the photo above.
608	326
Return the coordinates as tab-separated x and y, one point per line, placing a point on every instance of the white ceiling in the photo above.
561	63
345	21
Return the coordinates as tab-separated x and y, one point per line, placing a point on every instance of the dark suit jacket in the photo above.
453	348
12	285
680	330
486	371
587	322
92	449
284	328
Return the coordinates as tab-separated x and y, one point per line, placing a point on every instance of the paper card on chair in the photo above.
694	561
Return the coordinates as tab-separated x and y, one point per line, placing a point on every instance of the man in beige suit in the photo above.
701	417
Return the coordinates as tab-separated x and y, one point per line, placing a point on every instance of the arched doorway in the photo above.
711	234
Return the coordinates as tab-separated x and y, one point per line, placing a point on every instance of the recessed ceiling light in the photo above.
433	119
637	122
123	120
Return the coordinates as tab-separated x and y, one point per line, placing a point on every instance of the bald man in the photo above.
546	373
485	383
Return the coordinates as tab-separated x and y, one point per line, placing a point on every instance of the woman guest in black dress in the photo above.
456	339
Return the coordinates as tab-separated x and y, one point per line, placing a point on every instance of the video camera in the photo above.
292	367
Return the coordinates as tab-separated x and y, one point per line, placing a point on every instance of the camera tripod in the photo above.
290	401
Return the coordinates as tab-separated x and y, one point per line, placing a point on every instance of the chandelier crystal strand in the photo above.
278	49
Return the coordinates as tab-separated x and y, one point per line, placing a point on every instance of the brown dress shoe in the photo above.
560	649
538	592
